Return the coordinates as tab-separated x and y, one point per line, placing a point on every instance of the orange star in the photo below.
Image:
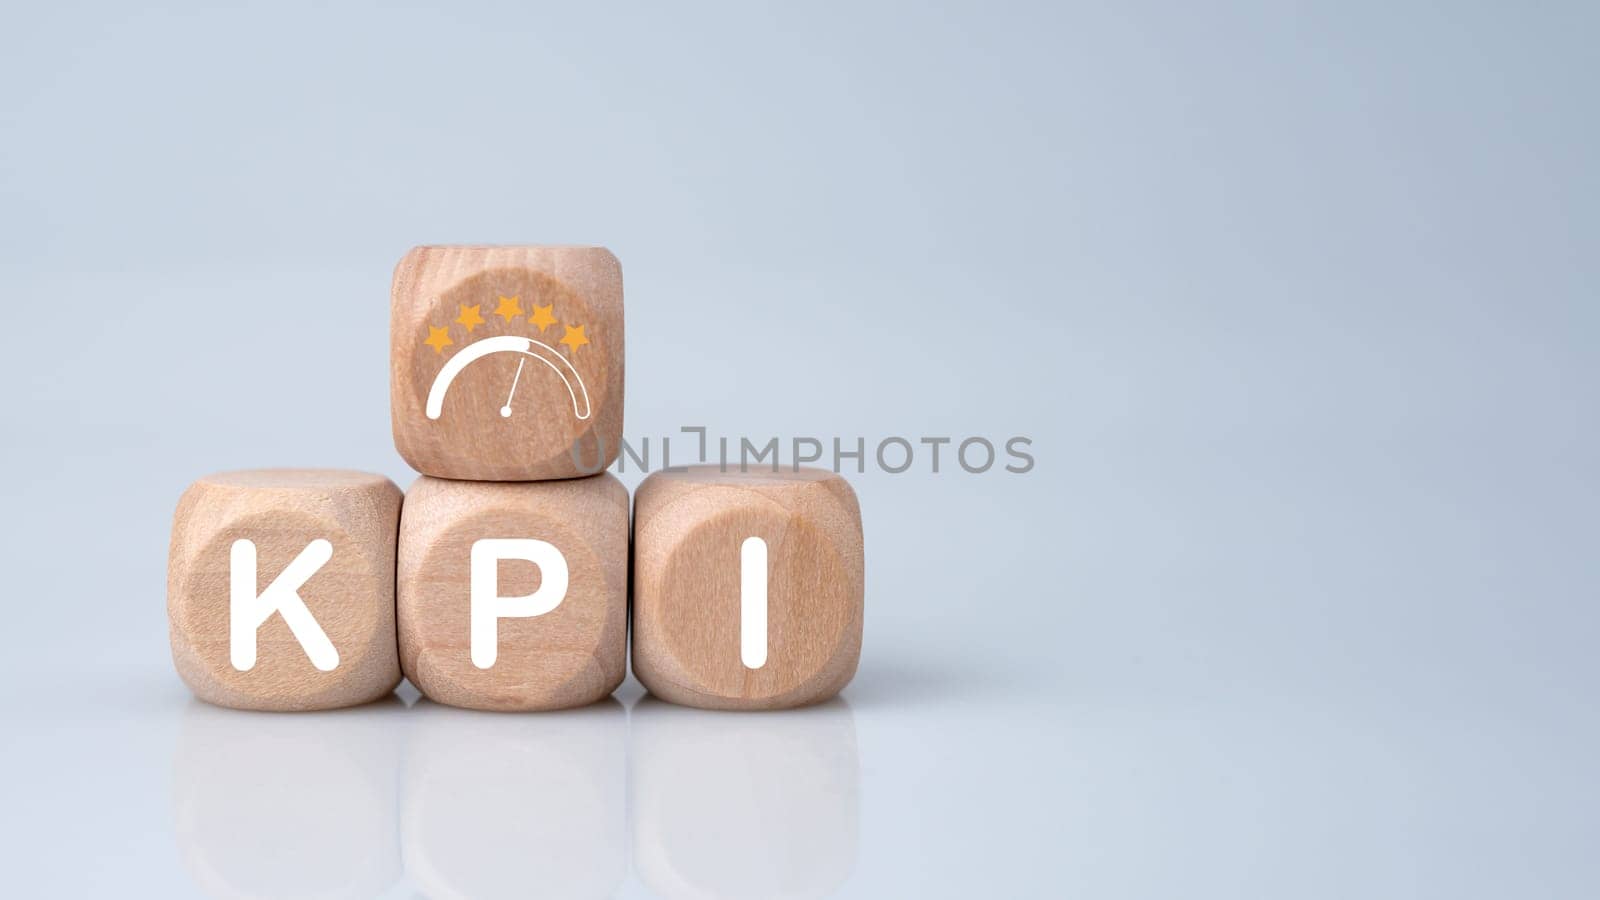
470	318
509	308
543	316
438	338
574	337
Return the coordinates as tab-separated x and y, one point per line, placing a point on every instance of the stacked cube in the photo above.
501	580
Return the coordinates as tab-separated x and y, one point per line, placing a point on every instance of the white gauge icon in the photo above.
526	348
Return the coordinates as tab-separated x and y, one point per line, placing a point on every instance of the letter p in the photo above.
488	607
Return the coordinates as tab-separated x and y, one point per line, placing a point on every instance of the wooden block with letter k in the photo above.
280	588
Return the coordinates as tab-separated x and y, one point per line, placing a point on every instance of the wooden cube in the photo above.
280	588
514	596
747	587
506	362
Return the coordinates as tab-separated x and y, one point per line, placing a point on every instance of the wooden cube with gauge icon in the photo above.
280	588
747	587
514	596
506	363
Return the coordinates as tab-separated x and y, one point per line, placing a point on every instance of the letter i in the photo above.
753	603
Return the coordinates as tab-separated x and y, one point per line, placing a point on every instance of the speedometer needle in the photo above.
505	411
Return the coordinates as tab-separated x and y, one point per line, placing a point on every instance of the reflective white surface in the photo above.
744	805
157	794
454	803
406	797
504	805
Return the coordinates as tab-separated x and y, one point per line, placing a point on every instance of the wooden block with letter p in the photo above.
747	587
514	596
506	363
280	588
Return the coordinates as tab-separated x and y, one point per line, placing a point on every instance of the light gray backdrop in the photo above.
1297	302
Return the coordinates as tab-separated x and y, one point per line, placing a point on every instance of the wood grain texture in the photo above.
447	300
688	531
351	596
572	655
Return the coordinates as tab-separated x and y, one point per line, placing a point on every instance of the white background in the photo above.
1296	301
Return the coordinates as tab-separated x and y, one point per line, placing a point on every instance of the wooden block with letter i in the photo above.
505	363
514	596
747	587
280	588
